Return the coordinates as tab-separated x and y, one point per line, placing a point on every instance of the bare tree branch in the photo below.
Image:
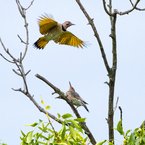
21	39
128	11
91	22
109	12
27	72
22	11
112	78
110	8
17	73
139	9
8	53
30	5
6	58
38	106
120	112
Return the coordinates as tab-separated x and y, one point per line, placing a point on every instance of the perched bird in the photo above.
75	98
52	30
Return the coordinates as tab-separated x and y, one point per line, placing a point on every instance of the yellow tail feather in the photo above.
41	43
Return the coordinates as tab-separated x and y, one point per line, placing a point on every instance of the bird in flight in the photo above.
52	30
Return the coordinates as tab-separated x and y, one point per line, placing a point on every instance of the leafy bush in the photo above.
43	133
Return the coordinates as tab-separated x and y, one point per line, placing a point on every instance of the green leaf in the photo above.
47	107
33	124
110	143
58	115
42	102
65	116
75	125
29	137
120	128
80	119
131	139
73	132
127	132
40	120
23	133
101	143
63	132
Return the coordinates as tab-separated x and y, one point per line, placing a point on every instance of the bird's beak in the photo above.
69	83
72	24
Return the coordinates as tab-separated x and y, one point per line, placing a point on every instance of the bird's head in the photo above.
67	24
71	87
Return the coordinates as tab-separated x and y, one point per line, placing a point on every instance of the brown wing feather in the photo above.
46	24
67	38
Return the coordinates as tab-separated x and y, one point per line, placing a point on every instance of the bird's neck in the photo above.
63	28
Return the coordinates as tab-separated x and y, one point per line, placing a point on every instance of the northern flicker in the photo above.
75	98
52	30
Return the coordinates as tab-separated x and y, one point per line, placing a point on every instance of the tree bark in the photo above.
112	79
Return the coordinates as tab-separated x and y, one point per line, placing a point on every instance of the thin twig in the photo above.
39	107
22	11
6	58
8	53
120	112
116	104
128	11
110	11
22	41
17	73
27	72
110	7
139	9
30	5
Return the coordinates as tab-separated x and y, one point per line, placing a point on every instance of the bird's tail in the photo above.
41	43
86	107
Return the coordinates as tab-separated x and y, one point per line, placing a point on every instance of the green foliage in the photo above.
136	137
71	133
120	127
102	142
2	143
43	133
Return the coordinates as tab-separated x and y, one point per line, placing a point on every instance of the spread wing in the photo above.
67	38
46	24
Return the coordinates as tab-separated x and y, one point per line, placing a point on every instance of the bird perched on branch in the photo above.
75	98
52	30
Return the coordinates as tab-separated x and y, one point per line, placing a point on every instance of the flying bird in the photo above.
52	30
75	98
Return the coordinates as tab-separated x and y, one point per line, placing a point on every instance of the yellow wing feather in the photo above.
46	24
67	38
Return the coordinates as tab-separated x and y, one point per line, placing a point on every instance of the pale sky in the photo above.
83	67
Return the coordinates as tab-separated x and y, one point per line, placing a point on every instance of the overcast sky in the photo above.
83	67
